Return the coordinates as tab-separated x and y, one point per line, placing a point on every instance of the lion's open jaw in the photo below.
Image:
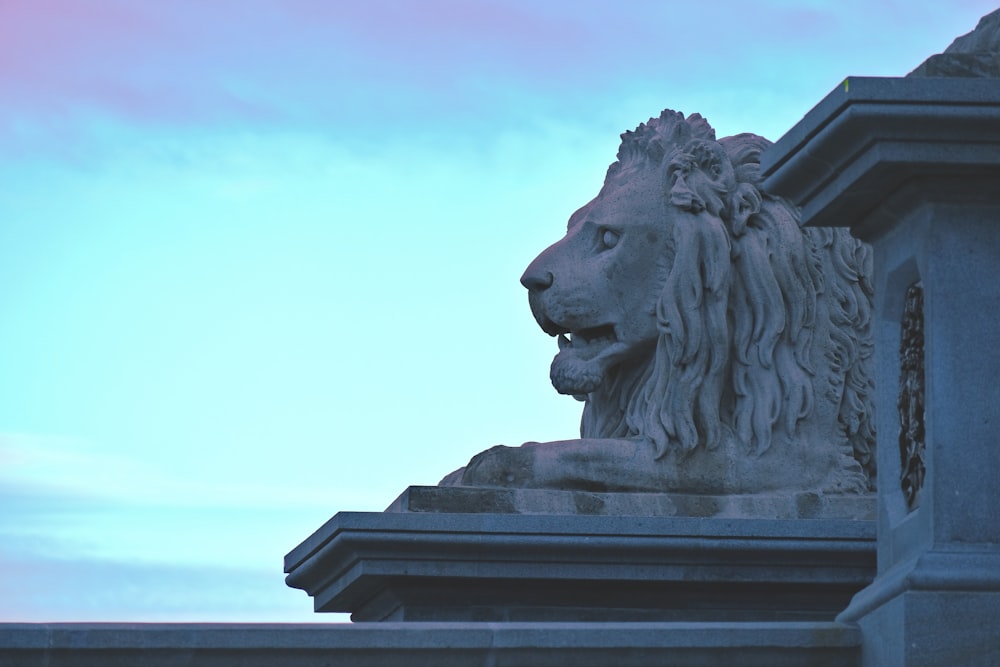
585	343
591	339
584	357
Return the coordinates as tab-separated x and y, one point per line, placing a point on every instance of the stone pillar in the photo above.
913	167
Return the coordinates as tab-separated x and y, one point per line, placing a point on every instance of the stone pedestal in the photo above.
440	566
913	166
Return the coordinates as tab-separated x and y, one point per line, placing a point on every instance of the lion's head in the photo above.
694	313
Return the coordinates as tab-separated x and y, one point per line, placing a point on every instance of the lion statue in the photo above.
719	347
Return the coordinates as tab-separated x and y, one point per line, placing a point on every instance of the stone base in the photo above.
940	608
929	629
419	566
431	645
474	500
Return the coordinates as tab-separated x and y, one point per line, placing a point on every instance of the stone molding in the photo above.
872	135
491	567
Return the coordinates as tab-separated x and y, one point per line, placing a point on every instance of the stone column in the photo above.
913	167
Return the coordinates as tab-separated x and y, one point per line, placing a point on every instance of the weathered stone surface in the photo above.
803	505
417	566
819	644
976	54
720	349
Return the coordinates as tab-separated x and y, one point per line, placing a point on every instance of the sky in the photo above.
259	259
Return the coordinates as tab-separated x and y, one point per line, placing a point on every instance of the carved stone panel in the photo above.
911	396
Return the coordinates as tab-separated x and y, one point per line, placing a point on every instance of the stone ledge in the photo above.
472	500
871	136
431	644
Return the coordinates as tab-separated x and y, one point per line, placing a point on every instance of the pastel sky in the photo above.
259	258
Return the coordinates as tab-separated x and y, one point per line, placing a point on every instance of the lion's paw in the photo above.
850	480
501	466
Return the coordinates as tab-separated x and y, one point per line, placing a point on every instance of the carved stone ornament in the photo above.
719	347
911	396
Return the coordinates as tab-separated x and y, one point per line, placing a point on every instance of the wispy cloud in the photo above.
86	535
350	69
42	588
136	59
67	471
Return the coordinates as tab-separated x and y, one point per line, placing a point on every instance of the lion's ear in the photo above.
745	203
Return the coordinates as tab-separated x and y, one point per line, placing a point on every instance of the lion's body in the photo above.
719	347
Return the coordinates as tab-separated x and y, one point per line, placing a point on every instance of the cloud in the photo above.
76	542
386	68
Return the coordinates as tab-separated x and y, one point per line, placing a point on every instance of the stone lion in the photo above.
719	347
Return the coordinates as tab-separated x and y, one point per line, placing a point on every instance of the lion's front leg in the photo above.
500	466
594	464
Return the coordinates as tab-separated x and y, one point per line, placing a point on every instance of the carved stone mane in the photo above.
719	347
738	320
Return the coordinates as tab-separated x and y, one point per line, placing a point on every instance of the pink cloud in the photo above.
55	46
140	60
177	61
344	65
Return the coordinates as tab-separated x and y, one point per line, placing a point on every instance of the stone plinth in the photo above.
913	166
516	567
472	500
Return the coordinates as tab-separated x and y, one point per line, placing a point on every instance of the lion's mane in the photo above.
747	289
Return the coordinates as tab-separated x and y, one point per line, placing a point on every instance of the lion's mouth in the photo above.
587	342
585	355
601	335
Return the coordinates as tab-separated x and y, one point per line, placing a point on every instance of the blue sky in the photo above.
259	258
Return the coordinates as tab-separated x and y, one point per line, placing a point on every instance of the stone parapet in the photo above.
820	644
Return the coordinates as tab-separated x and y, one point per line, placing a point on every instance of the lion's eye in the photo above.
609	238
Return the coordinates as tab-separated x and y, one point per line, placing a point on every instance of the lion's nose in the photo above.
535	280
